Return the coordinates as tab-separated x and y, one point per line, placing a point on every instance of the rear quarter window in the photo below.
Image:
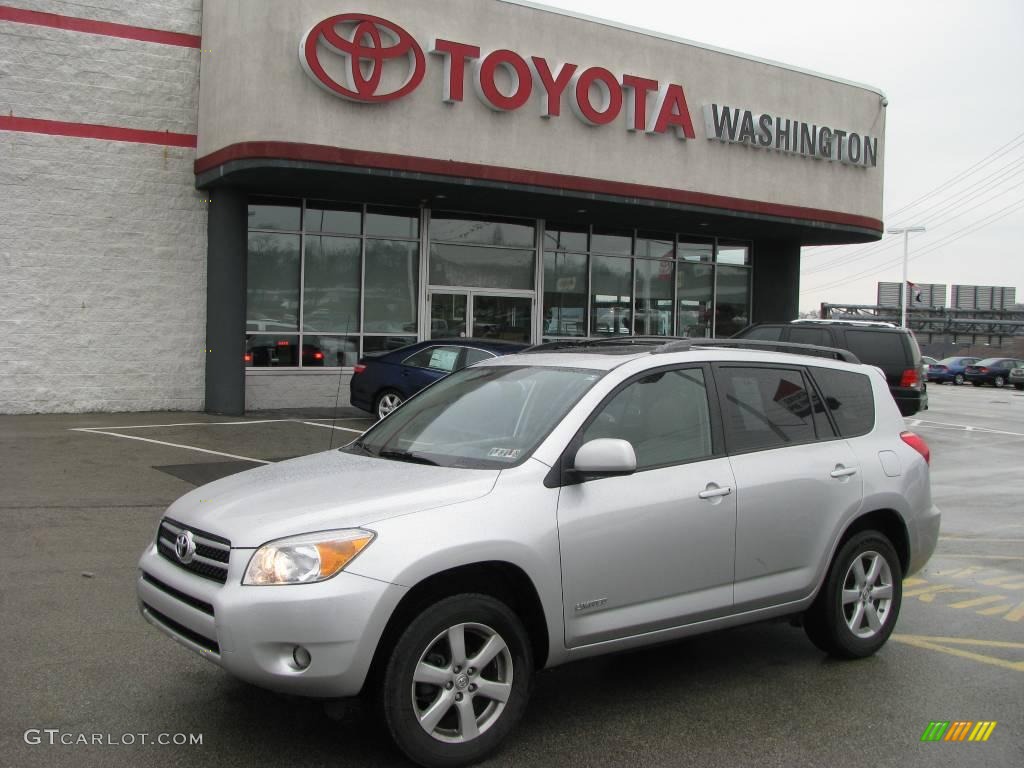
848	397
886	350
763	333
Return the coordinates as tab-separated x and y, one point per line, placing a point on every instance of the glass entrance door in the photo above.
481	315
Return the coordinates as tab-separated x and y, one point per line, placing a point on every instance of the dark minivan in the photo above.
884	345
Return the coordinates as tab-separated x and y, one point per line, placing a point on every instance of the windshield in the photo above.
491	417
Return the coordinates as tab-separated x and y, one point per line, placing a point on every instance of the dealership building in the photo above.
223	204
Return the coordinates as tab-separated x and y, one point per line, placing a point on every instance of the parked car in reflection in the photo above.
1017	376
991	370
381	383
950	370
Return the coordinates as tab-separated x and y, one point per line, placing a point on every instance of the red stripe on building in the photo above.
107	28
104	132
281	150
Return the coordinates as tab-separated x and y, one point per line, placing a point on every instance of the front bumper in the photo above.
252	631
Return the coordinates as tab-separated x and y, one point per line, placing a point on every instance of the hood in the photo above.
321	492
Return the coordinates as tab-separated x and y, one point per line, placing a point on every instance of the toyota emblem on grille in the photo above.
185	547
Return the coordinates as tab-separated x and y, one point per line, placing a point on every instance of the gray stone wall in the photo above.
102	243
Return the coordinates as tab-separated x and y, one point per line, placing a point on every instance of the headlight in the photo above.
305	559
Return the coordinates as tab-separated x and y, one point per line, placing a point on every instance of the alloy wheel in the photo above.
462	682
867	594
387	403
958	379
1000	381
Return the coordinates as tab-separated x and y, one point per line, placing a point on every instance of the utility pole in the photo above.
905	231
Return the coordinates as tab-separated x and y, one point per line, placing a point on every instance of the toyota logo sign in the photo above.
367	45
185	547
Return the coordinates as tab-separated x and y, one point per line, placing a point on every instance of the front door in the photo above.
460	314
652	550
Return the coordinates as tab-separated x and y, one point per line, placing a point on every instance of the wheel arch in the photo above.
499	579
888	522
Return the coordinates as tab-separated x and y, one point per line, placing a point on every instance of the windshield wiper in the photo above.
407	456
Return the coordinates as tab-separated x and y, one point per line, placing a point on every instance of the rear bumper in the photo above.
910	401
252	631
924	537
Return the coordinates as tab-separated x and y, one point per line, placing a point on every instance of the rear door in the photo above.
795	480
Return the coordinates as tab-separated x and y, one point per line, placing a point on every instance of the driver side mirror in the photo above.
605	456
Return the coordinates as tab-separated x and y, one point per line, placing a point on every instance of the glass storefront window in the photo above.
374	344
655	246
334	217
694	250
611	295
392	222
565	294
331	285
392	286
271	351
320	351
510	233
731	253
559	237
732	305
616	242
269	213
273	282
475	266
654	286
695	289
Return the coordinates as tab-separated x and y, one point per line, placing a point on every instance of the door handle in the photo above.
841	471
714	492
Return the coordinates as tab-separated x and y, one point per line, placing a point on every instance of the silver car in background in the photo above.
545	507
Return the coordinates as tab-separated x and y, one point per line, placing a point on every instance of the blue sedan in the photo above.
950	369
381	383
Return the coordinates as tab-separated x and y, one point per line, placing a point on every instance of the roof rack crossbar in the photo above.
811	350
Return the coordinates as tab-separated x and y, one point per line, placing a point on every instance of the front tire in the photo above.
457	681
857	607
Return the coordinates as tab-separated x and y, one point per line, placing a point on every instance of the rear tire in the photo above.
958	380
999	382
1019	386
441	709
387	400
857	607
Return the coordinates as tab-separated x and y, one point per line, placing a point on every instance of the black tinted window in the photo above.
803	335
881	348
664	416
848	398
764	408
763	333
474	355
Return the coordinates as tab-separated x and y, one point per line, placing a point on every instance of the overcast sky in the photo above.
954	76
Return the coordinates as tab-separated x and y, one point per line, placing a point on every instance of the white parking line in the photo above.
94	431
964	427
224	423
331	426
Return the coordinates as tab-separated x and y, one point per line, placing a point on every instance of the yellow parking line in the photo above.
977	601
1016	614
996	610
927	594
1004	582
942	645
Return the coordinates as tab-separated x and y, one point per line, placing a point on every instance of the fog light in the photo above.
301	657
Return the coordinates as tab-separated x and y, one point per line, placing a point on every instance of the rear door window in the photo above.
435	358
886	350
764	408
764	333
848	399
803	335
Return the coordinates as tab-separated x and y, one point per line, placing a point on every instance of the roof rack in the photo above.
811	350
841	321
588	342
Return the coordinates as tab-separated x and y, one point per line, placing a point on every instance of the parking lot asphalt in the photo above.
80	497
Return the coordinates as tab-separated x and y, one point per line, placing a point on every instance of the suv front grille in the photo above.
212	552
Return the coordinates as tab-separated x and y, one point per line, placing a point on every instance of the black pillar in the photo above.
776	281
225	302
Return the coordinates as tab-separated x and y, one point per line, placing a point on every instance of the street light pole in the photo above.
905	231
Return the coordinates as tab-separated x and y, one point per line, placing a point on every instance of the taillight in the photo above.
983	369
283	343
918	444
910	378
360	367
318	355
247	357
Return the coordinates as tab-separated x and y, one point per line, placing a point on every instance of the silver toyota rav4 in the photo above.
548	506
